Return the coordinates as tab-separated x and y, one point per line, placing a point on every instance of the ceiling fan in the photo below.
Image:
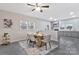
38	7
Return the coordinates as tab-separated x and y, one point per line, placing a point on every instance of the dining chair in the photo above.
31	40
47	40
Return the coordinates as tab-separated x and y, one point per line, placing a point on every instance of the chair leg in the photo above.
50	44
27	41
46	46
33	45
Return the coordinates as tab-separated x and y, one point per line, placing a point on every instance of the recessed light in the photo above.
71	13
50	18
55	19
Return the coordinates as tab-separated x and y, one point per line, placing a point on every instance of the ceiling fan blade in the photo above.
45	6
33	9
30	5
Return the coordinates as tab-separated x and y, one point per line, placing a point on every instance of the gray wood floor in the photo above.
12	49
68	46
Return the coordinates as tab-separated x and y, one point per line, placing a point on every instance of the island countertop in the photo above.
74	34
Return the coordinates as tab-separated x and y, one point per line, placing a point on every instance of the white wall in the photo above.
15	32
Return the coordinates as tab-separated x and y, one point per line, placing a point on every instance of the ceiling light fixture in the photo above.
37	8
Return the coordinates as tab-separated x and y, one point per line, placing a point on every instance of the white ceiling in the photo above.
56	10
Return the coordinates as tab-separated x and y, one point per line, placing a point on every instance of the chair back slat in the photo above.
47	38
